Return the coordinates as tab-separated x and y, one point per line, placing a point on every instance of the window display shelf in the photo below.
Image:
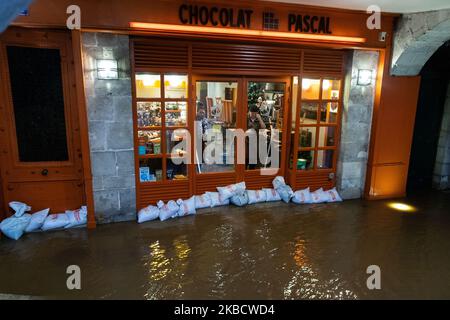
161	106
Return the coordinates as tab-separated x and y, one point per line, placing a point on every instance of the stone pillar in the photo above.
442	165
356	126
110	128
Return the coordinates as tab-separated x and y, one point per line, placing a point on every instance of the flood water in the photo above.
265	251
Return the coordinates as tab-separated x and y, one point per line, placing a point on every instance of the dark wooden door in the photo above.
40	150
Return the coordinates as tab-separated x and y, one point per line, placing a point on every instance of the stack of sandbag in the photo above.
305	196
284	190
14	226
256	196
236	193
66	220
18	224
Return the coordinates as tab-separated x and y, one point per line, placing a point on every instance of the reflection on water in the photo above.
267	251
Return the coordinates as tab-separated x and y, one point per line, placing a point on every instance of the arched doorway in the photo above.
429	150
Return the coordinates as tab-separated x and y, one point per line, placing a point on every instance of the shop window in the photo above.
305	160
318	123
148	114
330	89
265	102
149	142
325	159
307	138
327	136
162	115
150	170
215	112
329	112
310	89
175	86
176	169
176	113
148	85
176	142
308	113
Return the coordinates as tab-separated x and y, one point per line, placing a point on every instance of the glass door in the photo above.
267	118
217	114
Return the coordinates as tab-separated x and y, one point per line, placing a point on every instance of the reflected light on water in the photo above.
159	264
300	257
402	207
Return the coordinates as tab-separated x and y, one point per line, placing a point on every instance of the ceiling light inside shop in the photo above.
306	84
175	81
149	80
326	84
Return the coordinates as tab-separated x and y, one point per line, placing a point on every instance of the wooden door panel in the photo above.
56	195
47	180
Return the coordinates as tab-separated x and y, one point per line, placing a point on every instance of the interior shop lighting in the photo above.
402	207
245	32
107	69
306	84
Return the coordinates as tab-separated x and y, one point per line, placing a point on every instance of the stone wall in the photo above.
110	128
356	126
441	175
417	37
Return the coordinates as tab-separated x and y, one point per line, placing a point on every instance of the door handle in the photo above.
44	172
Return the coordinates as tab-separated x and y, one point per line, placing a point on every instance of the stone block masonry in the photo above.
441	174
110	128
356	126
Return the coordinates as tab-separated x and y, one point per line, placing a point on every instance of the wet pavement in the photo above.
264	251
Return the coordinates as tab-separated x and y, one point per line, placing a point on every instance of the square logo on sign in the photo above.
270	21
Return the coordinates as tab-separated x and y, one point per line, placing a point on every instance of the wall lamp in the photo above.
365	77
107	69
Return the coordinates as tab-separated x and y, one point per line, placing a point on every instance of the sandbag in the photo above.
319	196
55	221
147	214
186	207
76	217
285	193
202	201
217	200
333	195
240	200
231	190
272	195
278	182
256	196
37	220
19	208
168	210
14	227
302	196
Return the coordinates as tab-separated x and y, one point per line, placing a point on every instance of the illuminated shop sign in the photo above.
242	18
307	23
225	17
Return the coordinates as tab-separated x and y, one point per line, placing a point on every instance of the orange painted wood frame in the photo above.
392	131
203	182
61	188
317	178
208	70
117	15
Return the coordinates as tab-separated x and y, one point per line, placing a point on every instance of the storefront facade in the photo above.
316	75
